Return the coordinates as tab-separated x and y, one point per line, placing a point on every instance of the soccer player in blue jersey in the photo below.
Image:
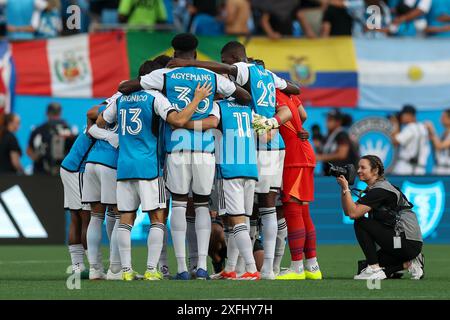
99	190
190	160
261	83
71	172
237	175
138	175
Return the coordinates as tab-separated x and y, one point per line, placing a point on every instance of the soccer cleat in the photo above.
153	275
182	276
95	274
165	272
130	276
250	276
416	269
224	275
370	273
291	275
313	275
113	276
201	274
268	276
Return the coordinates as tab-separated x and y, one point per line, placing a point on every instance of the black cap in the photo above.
335	114
408	109
54	108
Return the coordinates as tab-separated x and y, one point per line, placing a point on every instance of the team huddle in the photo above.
221	137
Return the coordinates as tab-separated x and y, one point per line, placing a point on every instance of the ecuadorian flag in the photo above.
325	68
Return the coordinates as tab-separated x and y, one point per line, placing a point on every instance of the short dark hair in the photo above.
375	163
162	60
447	111
147	67
233	46
54	108
185	42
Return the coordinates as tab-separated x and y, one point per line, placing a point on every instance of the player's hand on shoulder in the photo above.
203	91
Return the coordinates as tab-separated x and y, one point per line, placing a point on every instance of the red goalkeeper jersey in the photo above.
299	153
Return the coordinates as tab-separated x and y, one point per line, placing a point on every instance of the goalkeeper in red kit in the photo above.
297	192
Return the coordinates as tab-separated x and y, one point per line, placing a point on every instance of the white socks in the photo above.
94	240
124	240
154	244
280	245
232	254
191	237
297	266
110	222
163	256
178	231
203	231
244	244
269	231
114	253
77	255
312	265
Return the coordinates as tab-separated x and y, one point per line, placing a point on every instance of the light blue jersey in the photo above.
75	160
238	151
139	127
180	85
263	91
102	152
138	137
19	13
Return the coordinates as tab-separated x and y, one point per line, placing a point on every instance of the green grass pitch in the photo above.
38	272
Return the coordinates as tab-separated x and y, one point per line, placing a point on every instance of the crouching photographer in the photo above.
390	236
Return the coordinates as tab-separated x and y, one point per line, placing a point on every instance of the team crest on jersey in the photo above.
429	203
70	67
301	71
374	137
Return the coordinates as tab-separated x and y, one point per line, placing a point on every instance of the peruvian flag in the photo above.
6	78
75	66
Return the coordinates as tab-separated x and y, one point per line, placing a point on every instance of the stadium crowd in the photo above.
28	19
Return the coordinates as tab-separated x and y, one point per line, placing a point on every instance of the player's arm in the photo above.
210	122
180	119
103	134
217	67
287	87
438	144
92	113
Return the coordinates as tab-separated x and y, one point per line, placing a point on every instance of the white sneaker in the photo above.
370	273
95	274
113	276
268	276
416	267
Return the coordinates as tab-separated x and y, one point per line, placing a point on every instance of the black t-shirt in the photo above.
8	143
341	22
40	141
342	138
377	197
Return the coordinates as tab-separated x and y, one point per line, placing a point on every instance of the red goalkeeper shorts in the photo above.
298	182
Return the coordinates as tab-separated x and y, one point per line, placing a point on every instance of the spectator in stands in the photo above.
67	12
47	23
410	17
337	147
237	15
441	145
142	13
438	19
276	16
205	17
336	20
309	14
50	142
19	14
10	151
412	142
371	18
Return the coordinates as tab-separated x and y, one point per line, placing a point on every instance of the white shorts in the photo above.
100	184
236	196
270	170
190	169
73	184
149	194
